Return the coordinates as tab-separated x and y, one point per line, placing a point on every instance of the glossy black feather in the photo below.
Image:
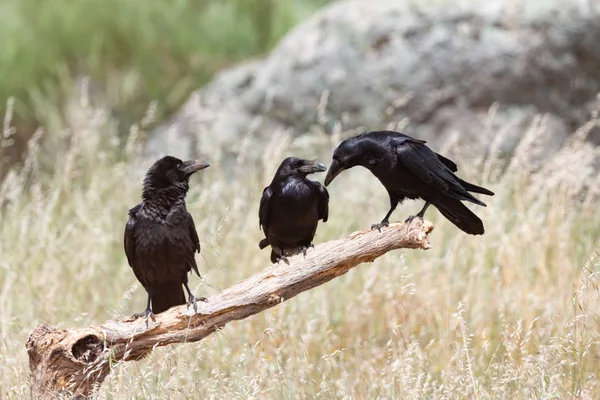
290	209
160	236
409	169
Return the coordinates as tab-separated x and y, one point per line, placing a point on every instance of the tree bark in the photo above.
75	362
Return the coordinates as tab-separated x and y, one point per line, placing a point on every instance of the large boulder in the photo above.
479	73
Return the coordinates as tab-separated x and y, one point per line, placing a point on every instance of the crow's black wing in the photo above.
448	163
193	233
139	268
428	167
129	238
323	202
264	210
195	240
399	139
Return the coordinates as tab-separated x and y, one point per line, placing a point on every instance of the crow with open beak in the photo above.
291	207
160	236
407	168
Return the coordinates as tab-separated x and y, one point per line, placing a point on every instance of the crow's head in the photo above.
351	152
170	175
293	166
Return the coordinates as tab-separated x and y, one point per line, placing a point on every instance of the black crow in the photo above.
160	236
291	207
409	169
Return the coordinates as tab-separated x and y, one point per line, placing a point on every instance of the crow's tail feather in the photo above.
263	243
461	216
167	295
474	188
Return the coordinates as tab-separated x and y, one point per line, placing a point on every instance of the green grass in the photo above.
511	314
135	51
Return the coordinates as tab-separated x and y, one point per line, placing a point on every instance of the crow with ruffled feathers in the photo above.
407	168
291	207
160	236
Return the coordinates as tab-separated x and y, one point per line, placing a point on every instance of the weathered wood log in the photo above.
75	362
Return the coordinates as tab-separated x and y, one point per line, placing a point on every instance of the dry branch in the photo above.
76	361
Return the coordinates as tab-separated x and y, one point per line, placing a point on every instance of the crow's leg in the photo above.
192	299
386	220
277	255
304	249
420	214
147	313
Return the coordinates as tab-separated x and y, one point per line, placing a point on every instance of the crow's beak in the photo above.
189	167
334	170
312	167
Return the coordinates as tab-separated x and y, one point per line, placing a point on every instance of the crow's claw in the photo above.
148	314
304	249
410	218
284	259
192	301
380	225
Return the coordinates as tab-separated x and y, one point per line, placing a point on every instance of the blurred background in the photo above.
92	92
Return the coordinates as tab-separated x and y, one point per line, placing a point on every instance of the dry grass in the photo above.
511	314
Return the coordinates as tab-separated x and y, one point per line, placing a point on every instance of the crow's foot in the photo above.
192	301
380	225
283	258
304	249
409	220
148	314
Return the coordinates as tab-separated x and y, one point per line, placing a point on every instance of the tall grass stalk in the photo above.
510	314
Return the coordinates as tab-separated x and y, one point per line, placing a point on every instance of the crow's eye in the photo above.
180	166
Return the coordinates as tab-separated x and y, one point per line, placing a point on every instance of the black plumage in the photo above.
409	169
291	207
160	236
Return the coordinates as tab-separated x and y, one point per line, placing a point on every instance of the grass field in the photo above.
134	52
511	314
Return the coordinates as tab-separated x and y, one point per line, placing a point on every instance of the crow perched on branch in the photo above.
409	169
160	236
291	207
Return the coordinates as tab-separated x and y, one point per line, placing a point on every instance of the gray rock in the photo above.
437	70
